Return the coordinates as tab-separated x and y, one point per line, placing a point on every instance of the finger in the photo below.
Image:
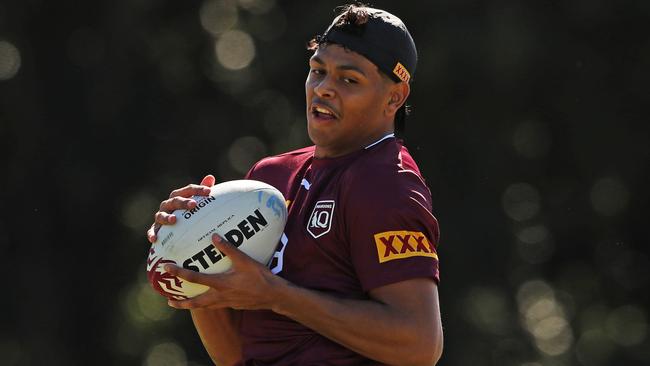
151	233
225	247
190	190
177	203
209	298
208	180
164	218
192	276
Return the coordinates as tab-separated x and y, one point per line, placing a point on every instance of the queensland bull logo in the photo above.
320	221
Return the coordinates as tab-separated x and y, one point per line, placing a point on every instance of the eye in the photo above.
350	81
317	72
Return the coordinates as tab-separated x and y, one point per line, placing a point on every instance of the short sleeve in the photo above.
393	234
251	171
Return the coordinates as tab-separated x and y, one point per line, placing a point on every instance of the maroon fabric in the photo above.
364	222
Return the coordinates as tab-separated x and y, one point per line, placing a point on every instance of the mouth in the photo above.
321	111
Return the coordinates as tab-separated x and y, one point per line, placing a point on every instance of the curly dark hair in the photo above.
352	21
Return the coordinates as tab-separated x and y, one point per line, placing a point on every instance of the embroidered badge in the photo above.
320	221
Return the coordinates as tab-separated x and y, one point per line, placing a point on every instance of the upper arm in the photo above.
416	302
392	233
417	298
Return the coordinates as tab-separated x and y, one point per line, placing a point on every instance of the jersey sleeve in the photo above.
393	234
251	172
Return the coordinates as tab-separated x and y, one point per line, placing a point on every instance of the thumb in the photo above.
208	180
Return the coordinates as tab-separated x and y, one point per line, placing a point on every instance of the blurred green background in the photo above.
530	125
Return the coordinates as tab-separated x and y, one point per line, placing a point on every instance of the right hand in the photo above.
179	199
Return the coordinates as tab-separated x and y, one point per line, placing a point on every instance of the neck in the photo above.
337	151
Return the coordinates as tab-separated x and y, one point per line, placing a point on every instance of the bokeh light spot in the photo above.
549	327
166	354
218	16
627	325
535	244
521	201
609	196
245	151
487	309
544	318
137	212
532	291
235	50
559	344
594	348
152	305
257	6
9	60
144	305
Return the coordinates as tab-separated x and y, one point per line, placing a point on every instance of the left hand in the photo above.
247	285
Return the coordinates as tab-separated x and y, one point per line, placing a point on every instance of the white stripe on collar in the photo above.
380	140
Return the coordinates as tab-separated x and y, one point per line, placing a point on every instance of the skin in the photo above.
400	323
363	100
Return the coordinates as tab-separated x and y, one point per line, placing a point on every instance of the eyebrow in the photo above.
340	67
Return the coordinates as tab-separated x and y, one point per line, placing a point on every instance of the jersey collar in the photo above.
380	140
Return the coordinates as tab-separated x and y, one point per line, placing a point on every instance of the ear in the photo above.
398	93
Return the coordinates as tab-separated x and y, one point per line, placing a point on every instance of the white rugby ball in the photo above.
249	214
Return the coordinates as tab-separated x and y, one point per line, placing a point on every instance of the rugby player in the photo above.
354	281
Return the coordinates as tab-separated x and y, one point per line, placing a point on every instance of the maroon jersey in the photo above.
356	222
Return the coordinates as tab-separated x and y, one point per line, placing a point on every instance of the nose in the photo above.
323	88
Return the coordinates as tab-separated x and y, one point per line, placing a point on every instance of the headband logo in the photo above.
401	72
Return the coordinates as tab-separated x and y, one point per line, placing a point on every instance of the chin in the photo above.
316	137
319	137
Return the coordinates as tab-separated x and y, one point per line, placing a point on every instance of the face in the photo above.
348	101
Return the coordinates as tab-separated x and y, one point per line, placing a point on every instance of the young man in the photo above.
355	280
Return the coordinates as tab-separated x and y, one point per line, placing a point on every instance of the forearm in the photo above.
219	332
374	329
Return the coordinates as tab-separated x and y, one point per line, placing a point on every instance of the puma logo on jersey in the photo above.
403	244
305	184
320	221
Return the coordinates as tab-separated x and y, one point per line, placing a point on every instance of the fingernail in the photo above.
167	268
172	219
206	190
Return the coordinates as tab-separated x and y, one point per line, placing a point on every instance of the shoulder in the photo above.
287	161
387	173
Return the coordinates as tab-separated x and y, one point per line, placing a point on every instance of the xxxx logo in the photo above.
403	244
401	72
320	221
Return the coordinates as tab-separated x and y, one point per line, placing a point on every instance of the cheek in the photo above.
309	83
364	105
